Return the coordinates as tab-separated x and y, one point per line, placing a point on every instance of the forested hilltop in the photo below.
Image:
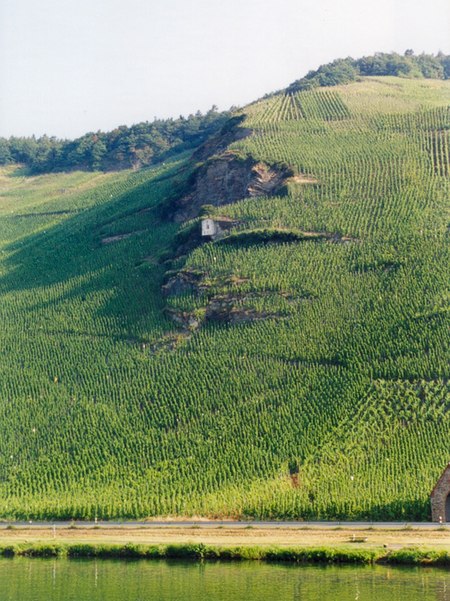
125	147
148	143
346	70
293	365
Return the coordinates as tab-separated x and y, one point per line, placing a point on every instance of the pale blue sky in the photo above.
72	66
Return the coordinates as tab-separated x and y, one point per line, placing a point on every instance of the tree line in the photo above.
122	148
346	70
146	143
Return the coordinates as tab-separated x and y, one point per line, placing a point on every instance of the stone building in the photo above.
218	227
209	228
440	498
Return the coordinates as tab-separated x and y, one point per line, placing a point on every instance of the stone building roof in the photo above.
442	480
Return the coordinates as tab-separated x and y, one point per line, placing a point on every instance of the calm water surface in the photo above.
64	580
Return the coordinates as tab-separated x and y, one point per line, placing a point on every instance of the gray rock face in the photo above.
179	284
226	179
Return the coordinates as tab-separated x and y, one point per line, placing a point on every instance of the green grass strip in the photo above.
200	552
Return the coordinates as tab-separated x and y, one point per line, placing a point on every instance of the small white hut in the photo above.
209	227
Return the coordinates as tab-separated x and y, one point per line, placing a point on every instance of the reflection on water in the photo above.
102	580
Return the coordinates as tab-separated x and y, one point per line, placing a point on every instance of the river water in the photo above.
104	580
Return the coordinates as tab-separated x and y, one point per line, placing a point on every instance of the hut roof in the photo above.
441	478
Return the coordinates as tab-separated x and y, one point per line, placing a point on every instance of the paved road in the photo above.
222	524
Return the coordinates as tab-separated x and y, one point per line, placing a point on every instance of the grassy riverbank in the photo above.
200	552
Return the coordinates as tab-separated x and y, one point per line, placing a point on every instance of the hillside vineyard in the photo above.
296	367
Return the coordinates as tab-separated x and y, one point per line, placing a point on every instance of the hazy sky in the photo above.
72	66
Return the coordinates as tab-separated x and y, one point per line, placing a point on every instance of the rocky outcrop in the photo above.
181	283
266	180
186	321
223	176
231	132
232	309
228	178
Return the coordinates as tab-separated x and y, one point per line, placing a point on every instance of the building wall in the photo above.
208	227
439	498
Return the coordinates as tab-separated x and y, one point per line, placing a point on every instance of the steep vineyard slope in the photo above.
295	367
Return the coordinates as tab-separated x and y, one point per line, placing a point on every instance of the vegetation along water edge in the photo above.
202	552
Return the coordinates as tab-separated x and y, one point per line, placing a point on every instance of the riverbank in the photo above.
202	552
367	536
360	545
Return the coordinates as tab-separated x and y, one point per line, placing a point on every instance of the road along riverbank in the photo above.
341	544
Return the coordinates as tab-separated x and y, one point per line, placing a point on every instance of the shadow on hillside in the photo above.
69	258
